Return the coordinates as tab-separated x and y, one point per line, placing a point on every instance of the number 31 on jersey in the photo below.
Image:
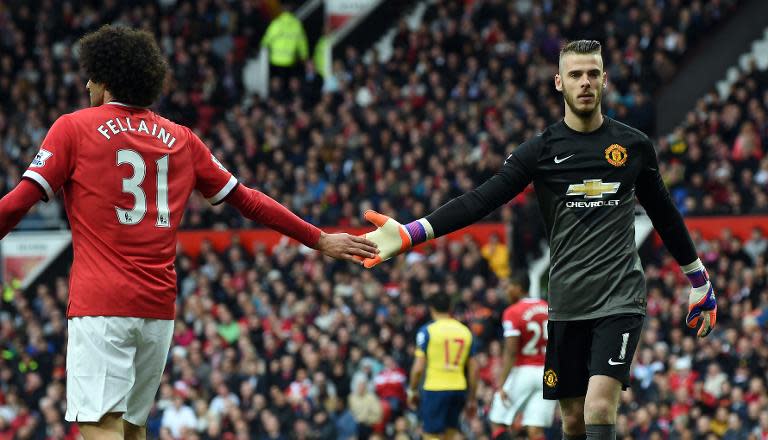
132	185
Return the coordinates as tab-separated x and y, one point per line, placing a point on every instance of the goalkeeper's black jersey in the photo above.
586	185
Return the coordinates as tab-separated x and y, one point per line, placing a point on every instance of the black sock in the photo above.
574	437
601	432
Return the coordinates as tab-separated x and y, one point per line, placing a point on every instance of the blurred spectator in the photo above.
497	255
458	93
287	44
179	418
366	409
390	385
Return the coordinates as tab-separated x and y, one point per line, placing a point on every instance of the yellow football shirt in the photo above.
447	345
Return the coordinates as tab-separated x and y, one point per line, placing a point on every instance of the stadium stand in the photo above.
280	343
324	149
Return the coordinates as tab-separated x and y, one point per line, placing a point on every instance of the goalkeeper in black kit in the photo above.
587	170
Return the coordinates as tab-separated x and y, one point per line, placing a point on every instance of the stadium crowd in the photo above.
280	343
402	135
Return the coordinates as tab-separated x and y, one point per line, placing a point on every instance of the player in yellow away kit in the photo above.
444	358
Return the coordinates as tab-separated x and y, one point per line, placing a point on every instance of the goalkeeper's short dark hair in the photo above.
127	61
579	47
583	47
440	301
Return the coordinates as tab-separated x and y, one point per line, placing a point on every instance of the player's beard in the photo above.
584	112
96	97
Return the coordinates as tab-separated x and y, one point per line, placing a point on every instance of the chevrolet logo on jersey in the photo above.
592	188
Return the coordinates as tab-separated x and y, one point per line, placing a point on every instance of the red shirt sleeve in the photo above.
509	322
55	162
260	207
16	203
211	178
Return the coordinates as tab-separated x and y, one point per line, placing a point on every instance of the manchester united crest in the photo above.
550	378
616	155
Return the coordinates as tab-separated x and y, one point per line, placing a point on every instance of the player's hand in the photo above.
471	408
702	309
346	247
391	237
702	305
413	399
504	398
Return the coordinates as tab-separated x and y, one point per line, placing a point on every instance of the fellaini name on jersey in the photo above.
121	125
593	204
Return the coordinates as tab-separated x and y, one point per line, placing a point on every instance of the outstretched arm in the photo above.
393	238
16	204
261	208
478	203
217	185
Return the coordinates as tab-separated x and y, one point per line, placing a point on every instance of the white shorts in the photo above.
114	365
525	389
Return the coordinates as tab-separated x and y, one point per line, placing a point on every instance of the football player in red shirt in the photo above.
126	174
521	389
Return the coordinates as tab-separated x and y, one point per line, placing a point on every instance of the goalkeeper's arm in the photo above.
393	238
666	219
476	204
518	171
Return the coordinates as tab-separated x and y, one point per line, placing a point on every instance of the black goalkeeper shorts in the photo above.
578	350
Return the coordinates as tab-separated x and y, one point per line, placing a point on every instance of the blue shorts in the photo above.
440	410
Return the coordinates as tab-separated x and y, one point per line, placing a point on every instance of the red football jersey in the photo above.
126	174
527	319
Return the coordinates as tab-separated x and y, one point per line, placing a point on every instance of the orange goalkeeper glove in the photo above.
393	238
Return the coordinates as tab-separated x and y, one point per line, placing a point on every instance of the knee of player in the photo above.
535	432
573	424
599	411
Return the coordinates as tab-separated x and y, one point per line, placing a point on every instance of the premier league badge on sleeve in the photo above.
218	164
40	158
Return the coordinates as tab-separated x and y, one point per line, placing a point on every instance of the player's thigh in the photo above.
521	385
110	427
433	411
614	340
456	402
535	409
151	355
100	373
566	366
539	412
501	412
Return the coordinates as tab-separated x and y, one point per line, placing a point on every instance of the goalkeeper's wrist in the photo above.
696	273
420	231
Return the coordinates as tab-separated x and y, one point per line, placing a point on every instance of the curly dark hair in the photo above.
128	62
